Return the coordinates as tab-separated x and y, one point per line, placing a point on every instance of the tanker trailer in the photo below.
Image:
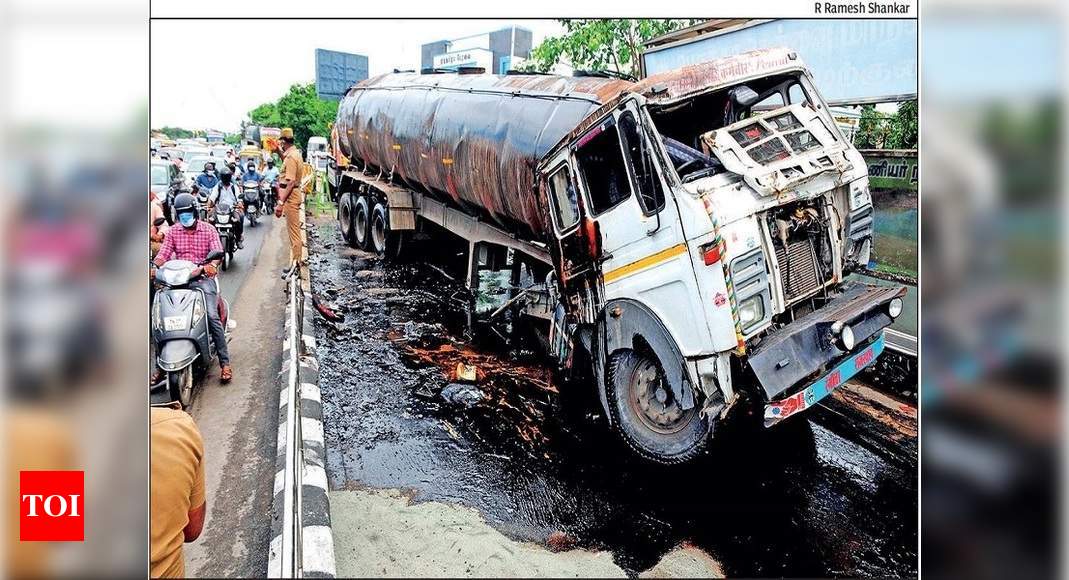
682	241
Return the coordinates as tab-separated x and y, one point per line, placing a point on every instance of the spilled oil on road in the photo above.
412	401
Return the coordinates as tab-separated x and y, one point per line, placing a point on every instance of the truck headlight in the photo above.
843	335
751	311
859	194
894	307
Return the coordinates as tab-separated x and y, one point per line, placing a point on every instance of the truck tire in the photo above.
345	218
646	414
361	222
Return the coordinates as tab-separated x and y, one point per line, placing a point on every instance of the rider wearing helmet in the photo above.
227	192
193	239
271	173
251	174
207	179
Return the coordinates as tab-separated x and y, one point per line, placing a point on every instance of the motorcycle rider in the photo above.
227	191
193	239
207	179
271	173
251	174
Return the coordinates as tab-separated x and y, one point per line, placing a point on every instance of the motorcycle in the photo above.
223	220
270	197
202	200
250	194
184	345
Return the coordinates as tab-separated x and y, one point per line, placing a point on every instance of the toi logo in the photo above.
51	506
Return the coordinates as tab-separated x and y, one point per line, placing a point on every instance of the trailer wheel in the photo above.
361	222
345	218
646	414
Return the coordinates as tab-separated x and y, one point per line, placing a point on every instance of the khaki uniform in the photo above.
291	171
177	487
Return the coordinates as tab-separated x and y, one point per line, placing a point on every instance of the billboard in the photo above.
337	71
852	61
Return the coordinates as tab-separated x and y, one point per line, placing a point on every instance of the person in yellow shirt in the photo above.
177	501
290	194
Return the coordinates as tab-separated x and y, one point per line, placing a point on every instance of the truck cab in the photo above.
703	225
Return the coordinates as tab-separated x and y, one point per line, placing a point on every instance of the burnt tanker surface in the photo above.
473	141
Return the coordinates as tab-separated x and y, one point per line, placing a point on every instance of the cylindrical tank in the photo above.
473	141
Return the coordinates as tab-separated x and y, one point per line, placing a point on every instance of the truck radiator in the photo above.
798	268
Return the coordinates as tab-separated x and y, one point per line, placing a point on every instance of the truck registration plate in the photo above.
777	411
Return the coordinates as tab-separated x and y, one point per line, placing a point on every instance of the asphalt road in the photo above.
239	422
832	493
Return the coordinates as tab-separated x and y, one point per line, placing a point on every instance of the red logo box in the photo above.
51	506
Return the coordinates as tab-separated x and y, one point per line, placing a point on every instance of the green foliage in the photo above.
601	44
232	139
299	109
178	132
877	130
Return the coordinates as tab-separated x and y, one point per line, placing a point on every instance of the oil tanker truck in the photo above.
681	241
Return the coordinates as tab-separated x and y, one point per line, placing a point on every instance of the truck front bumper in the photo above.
807	348
777	411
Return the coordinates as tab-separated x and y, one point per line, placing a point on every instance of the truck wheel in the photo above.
646	414
345	218
361	222
379	229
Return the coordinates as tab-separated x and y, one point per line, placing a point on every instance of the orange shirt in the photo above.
291	171
177	487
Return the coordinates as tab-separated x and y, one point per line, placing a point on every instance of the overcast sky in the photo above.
202	79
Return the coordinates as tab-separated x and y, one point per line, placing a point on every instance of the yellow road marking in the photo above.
651	260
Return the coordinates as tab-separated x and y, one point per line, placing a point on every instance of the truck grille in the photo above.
798	268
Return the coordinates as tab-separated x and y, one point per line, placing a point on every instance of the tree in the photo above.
876	130
176	132
601	44
299	109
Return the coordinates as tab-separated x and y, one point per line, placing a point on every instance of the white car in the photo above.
195	167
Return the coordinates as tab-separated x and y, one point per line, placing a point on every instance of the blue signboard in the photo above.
852	61
337	71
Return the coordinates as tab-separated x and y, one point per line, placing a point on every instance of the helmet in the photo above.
185	203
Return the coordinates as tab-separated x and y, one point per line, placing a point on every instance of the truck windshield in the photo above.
682	124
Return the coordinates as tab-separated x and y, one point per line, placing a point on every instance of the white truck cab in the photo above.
704	224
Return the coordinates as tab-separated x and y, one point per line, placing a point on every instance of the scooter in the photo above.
250	194
184	345
223	220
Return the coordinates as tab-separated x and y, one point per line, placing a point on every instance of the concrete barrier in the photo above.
302	544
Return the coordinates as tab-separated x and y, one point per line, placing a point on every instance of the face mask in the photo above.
186	219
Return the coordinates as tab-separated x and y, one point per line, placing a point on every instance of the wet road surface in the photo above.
831	494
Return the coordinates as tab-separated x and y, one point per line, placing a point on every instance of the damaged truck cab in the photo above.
704	223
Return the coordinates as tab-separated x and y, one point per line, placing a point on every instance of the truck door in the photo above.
574	254
644	254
